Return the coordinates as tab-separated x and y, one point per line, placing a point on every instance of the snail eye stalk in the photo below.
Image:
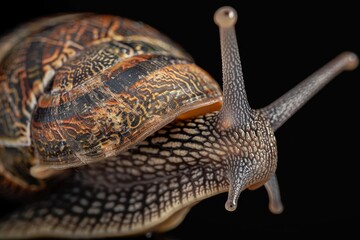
236	111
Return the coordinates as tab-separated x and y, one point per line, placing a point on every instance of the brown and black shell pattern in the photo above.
80	88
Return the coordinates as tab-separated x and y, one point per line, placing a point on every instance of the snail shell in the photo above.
80	88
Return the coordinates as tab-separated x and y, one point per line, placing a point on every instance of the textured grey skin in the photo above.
153	185
284	107
272	188
171	170
236	110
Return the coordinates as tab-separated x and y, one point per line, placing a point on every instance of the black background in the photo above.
280	44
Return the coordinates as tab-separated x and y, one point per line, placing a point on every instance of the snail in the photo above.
115	131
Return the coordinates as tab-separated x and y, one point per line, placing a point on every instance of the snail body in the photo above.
149	133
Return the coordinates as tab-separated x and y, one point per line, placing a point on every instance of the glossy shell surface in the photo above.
80	88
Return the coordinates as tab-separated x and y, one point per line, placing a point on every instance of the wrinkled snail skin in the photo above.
134	169
138	190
